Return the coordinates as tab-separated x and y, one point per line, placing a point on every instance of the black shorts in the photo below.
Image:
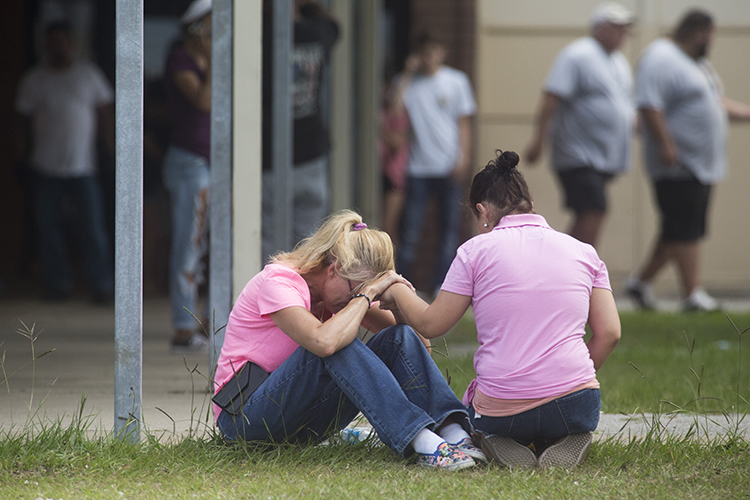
683	205
585	189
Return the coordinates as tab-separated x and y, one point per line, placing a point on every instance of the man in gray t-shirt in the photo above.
681	102
587	111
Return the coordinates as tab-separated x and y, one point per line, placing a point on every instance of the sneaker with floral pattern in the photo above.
446	457
467	447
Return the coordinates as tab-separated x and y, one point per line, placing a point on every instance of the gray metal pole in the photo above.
129	219
282	145
369	77
220	284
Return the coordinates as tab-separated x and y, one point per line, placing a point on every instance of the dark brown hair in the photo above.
502	187
694	20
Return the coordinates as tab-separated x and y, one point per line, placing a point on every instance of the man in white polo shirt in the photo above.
440	104
681	101
588	113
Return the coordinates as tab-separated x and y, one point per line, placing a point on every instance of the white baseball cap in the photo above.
613	13
197	10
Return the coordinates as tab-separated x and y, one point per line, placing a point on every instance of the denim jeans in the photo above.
309	202
50	196
418	193
392	380
187	178
574	413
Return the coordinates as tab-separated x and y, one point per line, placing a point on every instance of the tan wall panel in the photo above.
513	61
512	70
730	55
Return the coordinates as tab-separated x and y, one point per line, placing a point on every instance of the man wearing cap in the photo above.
186	175
681	102
587	112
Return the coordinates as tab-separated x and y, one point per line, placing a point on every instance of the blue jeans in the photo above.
50	195
187	178
574	413
392	380
418	193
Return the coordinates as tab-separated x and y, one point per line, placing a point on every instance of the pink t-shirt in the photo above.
251	335
530	287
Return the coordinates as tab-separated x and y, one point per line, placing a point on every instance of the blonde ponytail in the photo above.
361	253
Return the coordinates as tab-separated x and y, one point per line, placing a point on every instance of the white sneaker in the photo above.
641	293
700	300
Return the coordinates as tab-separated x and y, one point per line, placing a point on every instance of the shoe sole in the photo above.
508	452
566	453
466	464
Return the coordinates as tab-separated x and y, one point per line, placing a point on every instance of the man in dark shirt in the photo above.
315	32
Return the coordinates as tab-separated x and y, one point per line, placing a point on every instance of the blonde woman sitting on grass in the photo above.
306	374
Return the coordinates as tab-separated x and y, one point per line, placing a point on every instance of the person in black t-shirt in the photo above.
315	32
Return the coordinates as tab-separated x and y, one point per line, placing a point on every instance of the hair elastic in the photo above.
359	226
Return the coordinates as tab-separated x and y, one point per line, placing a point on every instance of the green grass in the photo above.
664	362
47	466
655	362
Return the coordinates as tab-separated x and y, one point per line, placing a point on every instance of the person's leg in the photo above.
587	226
48	197
585	194
686	256
567	425
298	400
412	221
405	356
449	208
187	178
310	197
93	237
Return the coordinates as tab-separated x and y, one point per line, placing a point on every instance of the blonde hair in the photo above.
360	255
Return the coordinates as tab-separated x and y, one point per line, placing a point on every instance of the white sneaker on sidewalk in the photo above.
641	293
701	301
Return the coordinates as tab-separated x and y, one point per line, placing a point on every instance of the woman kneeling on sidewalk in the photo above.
296	324
535	401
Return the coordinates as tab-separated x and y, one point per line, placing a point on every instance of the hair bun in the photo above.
510	158
505	161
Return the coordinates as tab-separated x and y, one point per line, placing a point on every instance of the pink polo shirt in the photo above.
530	287
251	334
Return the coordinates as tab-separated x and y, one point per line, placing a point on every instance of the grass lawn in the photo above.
664	362
655	363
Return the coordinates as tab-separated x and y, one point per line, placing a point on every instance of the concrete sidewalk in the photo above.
82	336
175	400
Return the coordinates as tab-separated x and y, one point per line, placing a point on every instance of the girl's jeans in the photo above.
574	413
392	380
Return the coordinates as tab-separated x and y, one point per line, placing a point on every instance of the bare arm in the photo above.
605	326
190	85
656	124
326	338
431	320
464	142
737	111
550	103
376	319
